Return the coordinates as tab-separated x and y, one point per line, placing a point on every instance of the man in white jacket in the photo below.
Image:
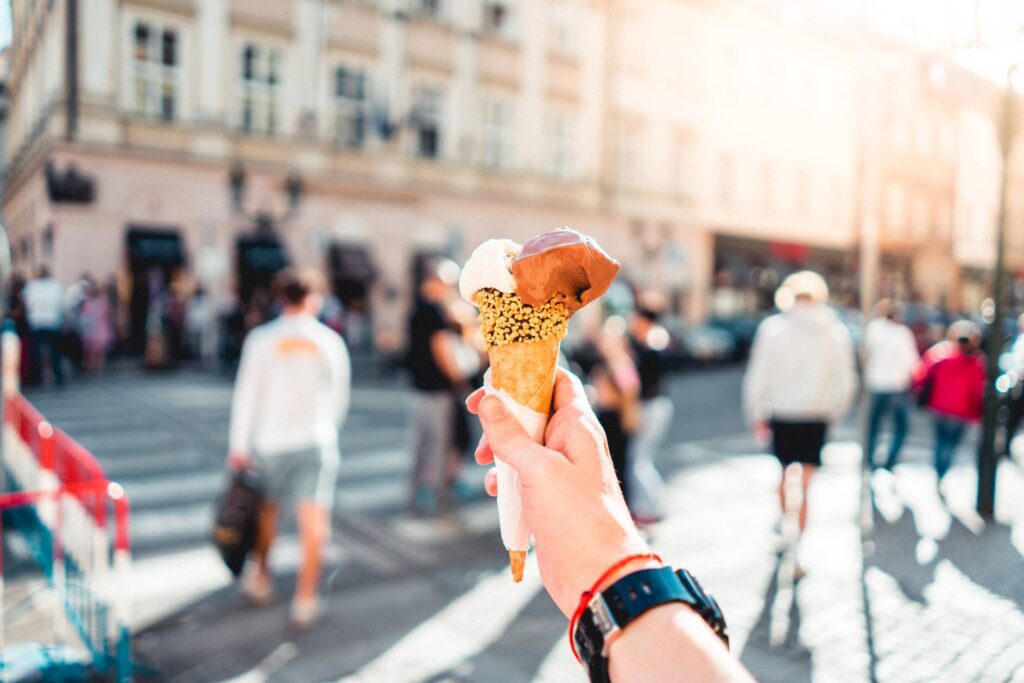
890	357
800	379
291	396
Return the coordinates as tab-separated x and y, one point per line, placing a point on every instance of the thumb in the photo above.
505	435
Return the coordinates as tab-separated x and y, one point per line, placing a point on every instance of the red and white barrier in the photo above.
90	554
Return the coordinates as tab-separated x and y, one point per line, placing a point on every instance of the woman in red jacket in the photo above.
951	383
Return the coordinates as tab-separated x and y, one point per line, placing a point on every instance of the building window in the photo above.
922	216
896	208
561	28
497	134
683	168
426	121
626	163
944	220
351	106
430	8
156	71
261	85
497	18
726	179
560	145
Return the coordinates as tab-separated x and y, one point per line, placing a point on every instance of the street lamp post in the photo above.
987	456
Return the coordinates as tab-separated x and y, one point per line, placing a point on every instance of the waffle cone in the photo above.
526	371
517	562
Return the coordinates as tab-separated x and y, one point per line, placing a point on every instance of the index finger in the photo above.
568	388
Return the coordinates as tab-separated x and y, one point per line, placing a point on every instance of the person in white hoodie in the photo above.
800	379
291	396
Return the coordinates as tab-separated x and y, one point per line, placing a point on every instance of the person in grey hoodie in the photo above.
800	379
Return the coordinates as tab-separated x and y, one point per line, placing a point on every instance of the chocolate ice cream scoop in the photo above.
563	264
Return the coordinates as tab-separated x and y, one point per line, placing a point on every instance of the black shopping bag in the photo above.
237	521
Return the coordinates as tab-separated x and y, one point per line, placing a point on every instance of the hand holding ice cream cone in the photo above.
526	296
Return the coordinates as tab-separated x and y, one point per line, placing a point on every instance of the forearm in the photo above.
672	643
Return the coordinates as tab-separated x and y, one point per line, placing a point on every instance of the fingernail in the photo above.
492	409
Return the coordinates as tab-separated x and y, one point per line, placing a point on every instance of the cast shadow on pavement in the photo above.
774	642
538	628
364	611
988	558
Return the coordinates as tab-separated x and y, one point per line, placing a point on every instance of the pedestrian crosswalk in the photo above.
164	439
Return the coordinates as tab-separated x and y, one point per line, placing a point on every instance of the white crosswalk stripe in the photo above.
169	455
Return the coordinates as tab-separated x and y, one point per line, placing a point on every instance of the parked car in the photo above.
741	328
701	343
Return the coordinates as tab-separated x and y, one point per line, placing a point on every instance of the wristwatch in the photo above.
610	611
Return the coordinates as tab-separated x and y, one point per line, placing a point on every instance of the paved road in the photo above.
932	595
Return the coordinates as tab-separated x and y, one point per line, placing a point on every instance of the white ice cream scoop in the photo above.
489	266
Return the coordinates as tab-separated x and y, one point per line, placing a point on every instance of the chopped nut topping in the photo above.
505	319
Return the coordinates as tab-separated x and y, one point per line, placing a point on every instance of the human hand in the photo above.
237	461
571	498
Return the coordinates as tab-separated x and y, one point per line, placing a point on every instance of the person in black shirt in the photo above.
431	361
648	340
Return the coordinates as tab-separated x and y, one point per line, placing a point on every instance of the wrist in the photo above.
647	602
677	622
600	571
635	564
626	564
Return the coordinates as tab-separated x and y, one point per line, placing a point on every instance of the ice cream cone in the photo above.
526	371
517	562
526	295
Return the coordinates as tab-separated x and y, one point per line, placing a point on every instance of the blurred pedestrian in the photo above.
117	312
616	384
950	381
201	326
16	312
97	327
1016	411
800	380
470	360
44	311
432	362
649	341
72	336
890	356
290	398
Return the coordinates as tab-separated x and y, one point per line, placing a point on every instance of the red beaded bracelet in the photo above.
588	594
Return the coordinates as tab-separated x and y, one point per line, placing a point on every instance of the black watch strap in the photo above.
631	596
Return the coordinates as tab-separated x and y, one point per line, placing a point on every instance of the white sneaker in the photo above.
304	613
258	589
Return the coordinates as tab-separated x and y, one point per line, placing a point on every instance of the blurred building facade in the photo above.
711	146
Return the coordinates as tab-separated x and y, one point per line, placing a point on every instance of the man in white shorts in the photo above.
291	396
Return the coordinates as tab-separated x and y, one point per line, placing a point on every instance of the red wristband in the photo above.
588	594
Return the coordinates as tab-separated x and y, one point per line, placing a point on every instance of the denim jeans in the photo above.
45	342
882	403
948	433
431	439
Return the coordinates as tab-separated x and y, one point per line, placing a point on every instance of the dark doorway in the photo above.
352	273
153	255
257	260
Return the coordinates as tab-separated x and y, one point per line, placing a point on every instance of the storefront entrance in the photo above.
154	256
